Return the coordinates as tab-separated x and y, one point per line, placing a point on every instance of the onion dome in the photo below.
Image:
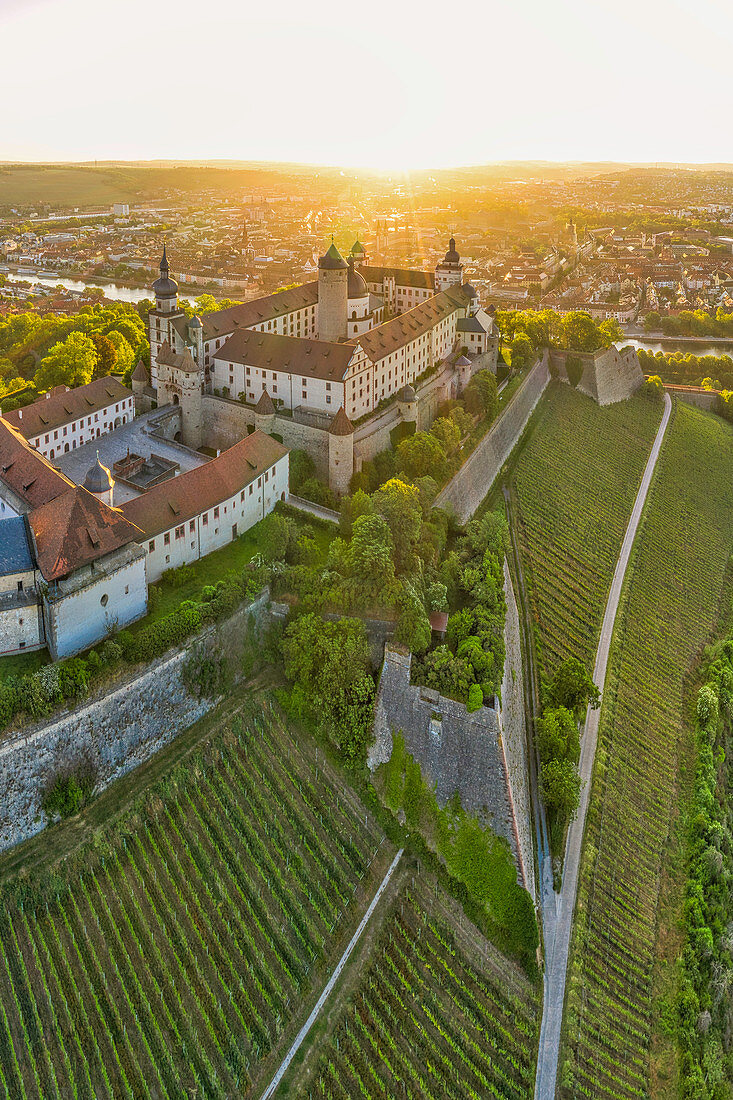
98	479
333	260
194	322
165	287
357	288
451	256
406	394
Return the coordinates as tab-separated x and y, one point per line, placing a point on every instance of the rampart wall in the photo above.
466	490
116	731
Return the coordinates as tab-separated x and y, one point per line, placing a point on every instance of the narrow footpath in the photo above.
558	909
328	988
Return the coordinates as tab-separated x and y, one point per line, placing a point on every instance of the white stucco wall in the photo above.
78	620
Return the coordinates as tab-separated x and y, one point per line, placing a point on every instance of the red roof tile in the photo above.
75	529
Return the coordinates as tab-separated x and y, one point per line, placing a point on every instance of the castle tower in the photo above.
265	414
180	383
166	289
332	295
340	453
162	320
100	482
358	254
407	404
139	380
450	271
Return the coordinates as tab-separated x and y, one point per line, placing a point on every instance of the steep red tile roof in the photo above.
265	406
183	360
270	351
181	498
62	405
341	425
225	321
398	331
401	276
75	529
27	473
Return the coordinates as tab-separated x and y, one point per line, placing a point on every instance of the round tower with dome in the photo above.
99	481
333	293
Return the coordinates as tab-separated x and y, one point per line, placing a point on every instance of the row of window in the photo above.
180	532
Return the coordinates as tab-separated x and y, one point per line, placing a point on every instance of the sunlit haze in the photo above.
384	85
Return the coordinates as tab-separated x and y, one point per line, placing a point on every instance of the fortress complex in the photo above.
344	344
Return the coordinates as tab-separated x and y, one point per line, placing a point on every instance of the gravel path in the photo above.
272	1087
557	909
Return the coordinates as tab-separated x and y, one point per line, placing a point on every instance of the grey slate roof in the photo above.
15	550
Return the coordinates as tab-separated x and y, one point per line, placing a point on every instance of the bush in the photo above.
475	698
69	791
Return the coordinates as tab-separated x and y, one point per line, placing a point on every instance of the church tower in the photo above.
333	292
450	271
163	320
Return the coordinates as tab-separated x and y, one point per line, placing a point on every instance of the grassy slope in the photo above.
678	580
574	484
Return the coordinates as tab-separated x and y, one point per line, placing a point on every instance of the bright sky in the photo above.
381	83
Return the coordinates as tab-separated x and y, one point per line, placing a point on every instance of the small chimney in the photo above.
20	414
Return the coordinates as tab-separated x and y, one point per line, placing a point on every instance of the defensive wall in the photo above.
709	400
481	754
468	487
115	731
608	375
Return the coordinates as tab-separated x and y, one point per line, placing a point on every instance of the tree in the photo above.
446	432
302	467
557	736
122	348
360	504
481	395
610	331
572	687
70	363
368	560
106	355
560	788
522	351
421	454
399	503
652	321
413	626
274	534
329	664
579	332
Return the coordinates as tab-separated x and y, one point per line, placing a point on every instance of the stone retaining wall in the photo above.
117	731
467	489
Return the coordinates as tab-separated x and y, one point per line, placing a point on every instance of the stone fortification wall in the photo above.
117	731
465	491
609	374
709	400
456	750
514	730
227	421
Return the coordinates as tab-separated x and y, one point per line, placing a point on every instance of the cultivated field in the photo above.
436	1014
574	486
169	964
670	606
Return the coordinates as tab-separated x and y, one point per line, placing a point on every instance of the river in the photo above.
111	290
670	346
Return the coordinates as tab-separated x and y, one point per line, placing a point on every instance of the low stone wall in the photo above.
514	732
709	400
466	490
117	731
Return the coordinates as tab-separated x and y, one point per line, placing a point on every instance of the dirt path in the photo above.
557	909
328	988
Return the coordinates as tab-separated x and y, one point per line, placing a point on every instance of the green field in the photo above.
676	589
166	959
573	488
437	1015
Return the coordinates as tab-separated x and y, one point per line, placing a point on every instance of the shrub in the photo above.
475	698
69	791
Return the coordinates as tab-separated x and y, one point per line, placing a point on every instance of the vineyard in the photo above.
437	1015
669	609
575	484
172	962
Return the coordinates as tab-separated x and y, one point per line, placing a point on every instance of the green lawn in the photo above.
231	558
18	664
676	593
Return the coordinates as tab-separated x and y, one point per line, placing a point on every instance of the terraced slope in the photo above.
670	607
436	1015
574	487
170	966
